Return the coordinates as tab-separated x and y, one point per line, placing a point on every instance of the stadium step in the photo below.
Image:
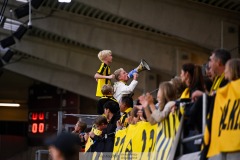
190	156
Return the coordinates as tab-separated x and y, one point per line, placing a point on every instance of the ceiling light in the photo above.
9	104
12	21
64	1
23	1
11	27
11	24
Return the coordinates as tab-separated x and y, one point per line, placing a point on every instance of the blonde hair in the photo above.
107	89
117	73
234	68
168	94
103	54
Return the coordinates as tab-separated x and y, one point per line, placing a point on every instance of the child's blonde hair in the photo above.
117	73
234	68
168	94
103	54
107	89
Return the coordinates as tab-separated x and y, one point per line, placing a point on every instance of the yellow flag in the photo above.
225	132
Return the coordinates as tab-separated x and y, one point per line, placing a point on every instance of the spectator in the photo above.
96	134
65	146
103	75
178	86
120	87
86	135
126	106
107	91
218	59
105	142
79	130
191	75
111	110
207	77
232	69
139	114
217	63
79	127
99	124
166	96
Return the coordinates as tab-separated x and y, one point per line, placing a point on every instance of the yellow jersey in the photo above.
105	71
124	117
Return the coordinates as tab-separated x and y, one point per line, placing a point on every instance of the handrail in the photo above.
81	115
192	138
39	152
60	119
188	139
204	113
176	140
59	127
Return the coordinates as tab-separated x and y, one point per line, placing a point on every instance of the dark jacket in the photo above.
102	101
105	142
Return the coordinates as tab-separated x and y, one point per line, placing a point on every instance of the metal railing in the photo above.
61	114
179	134
88	118
39	153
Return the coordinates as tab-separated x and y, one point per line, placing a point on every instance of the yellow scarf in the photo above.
216	83
185	94
124	119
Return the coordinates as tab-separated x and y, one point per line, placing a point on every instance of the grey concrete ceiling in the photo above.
229	5
61	48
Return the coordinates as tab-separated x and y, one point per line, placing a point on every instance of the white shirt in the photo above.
120	88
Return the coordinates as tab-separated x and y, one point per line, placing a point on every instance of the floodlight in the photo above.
7	56
36	3
20	32
7	42
21	11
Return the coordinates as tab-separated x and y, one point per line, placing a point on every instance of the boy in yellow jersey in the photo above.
103	75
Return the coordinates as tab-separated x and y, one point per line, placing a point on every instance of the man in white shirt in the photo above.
120	87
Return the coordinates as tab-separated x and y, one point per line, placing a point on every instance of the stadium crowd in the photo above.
117	109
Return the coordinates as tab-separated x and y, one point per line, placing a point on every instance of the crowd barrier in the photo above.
224	130
144	141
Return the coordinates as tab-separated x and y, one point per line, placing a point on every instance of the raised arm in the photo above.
99	76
